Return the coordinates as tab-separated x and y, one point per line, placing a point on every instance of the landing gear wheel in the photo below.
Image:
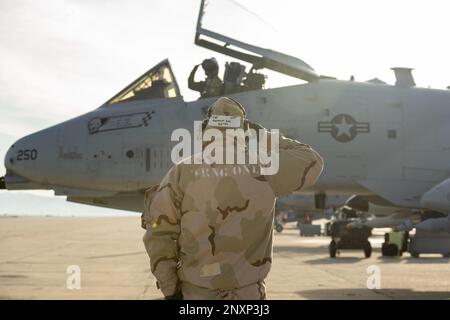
367	249
415	255
389	250
279	228
384	249
332	249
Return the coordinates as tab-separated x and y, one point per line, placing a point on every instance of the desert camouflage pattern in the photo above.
226	107
254	291
210	227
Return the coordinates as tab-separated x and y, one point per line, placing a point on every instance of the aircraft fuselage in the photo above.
373	138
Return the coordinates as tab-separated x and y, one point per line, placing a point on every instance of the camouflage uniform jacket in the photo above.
212	225
211	87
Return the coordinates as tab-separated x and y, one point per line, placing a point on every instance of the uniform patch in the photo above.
224	121
209	270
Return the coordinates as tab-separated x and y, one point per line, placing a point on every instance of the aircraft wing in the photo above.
398	193
259	57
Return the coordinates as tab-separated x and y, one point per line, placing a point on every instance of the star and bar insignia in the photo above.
343	127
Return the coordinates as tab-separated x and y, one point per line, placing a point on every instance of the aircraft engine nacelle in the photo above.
438	197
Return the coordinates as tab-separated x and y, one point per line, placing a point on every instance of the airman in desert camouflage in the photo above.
212	85
210	227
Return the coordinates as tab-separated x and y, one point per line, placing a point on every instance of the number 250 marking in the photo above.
27	154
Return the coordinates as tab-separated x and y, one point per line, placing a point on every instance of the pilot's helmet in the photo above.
226	113
211	67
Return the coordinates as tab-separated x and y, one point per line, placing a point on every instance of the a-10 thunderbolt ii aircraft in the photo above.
387	144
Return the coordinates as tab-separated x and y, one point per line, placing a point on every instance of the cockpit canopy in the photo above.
157	83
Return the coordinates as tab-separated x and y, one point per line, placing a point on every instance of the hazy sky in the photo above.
59	59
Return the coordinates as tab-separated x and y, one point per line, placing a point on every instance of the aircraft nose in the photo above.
9	160
28	156
14	158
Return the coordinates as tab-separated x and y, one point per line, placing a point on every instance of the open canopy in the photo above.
157	83
259	57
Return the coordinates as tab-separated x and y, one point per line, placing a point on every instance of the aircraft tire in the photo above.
332	248
384	249
367	250
389	250
279	228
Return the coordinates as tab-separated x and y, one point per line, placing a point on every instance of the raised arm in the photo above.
299	167
196	86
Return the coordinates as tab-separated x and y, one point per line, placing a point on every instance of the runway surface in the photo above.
35	253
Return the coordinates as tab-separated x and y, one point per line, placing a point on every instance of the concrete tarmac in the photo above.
35	253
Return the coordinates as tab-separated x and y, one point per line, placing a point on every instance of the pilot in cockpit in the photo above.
212	86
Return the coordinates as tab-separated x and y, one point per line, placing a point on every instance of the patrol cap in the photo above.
226	113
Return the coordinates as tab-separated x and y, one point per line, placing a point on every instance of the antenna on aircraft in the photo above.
404	77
